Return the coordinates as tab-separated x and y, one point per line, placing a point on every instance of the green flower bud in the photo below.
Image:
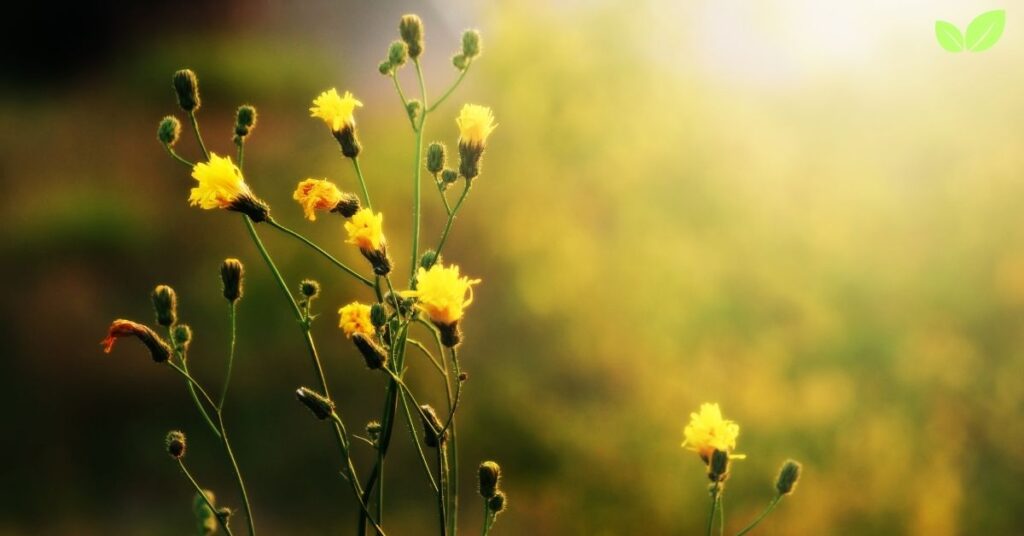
489	477
471	43
186	86
789	474
497	503
175	443
460	61
231	274
385	68
436	156
204	516
165	302
428	259
378	315
432	427
182	336
169	130
245	120
449	176
398	52
411	30
320	405
310	288
413	108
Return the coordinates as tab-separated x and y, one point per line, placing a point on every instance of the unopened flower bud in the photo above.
385	68
432	427
320	405
375	356
310	288
231	275
398	52
436	156
186	86
378	315
489	477
413	108
788	477
429	259
182	335
460	61
373	429
497	503
175	443
411	30
245	120
169	130
165	302
718	466
348	205
471	43
204	515
158	349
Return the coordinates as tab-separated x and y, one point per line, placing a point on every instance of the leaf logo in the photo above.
983	32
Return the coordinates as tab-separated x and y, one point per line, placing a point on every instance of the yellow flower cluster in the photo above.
443	293
708	432
220	183
316	194
355	318
475	124
366	230
335	110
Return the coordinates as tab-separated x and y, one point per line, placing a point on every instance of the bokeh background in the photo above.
806	211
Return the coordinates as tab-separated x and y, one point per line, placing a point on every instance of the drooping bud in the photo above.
310	288
460	61
789	474
385	68
436	156
245	121
449	176
231	275
429	259
718	466
182	336
320	405
411	30
348	205
489	477
497	503
471	43
432	427
175	443
378	315
398	52
375	356
165	302
158	349
186	86
169	130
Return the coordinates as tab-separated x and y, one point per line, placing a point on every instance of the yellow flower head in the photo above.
442	293
220	183
335	110
475	124
355	318
708	432
365	230
316	194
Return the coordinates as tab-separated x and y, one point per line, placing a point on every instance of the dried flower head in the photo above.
158	349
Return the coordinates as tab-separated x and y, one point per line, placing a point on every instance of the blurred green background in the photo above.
806	211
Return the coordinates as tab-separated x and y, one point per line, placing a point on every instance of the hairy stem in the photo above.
222	521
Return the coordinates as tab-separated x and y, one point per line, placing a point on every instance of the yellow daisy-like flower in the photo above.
335	110
220	183
708	432
365	230
475	124
443	294
317	194
355	318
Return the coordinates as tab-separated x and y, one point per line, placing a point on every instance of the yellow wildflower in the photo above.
335	110
365	230
443	294
475	124
220	184
355	318
317	194
708	432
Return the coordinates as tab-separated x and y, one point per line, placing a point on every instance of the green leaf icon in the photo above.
949	36
985	30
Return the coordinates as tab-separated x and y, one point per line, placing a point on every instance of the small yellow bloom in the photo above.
317	194
220	183
355	318
335	110
475	124
443	294
708	432
365	230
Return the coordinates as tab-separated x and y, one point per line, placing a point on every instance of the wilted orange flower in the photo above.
316	194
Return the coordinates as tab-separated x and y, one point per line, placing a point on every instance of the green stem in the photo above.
416	176
273	223
453	494
721	514
444	198
222	521
487	518
771	506
430	356
442	471
180	354
175	156
362	182
450	89
238	474
416	441
714	506
451	219
352	477
231	358
199	137
241	152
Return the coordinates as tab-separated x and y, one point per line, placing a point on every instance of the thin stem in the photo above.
192	381
442	470
273	223
453	494
175	155
771	506
180	354
444	198
222	521
199	137
450	89
238	475
362	182
416	175
401	94
721	514
451	218
487	518
231	357
416	441
426	352
714	506
352	477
